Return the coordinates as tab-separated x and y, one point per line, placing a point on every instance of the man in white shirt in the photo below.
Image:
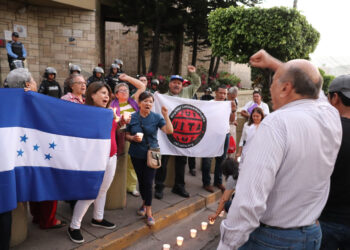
284	180
257	102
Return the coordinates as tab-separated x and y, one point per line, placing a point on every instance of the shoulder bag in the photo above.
153	154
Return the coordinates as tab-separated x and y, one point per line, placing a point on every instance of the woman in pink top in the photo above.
77	85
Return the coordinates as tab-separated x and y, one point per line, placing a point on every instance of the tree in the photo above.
237	33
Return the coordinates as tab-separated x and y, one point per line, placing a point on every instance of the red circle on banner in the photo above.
189	125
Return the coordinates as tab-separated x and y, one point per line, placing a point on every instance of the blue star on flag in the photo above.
48	157
36	147
52	145
20	152
24	138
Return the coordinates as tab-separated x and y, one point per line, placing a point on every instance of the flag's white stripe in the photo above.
70	153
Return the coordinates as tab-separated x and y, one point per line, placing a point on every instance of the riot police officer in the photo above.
15	50
73	69
49	86
154	86
113	78
97	76
120	63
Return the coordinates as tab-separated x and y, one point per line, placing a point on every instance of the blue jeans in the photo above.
206	164
335	236
305	238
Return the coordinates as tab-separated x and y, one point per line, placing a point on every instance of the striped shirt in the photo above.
126	107
285	176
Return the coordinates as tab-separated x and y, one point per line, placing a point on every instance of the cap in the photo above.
186	82
176	77
15	34
341	84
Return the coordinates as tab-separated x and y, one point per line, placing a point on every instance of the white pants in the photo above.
99	204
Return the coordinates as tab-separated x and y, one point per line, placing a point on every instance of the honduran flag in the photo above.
50	149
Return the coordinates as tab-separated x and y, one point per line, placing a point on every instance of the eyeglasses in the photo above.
123	91
81	83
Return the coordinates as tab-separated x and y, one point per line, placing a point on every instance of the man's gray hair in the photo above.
302	82
17	78
119	85
233	90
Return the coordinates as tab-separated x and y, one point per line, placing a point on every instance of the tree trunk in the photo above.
177	56
195	47
140	45
141	60
211	67
216	68
153	67
295	4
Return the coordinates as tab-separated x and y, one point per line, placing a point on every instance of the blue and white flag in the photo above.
200	127
50	149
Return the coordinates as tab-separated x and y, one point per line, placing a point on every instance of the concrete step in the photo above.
133	233
207	239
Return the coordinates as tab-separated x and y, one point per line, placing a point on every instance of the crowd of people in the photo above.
278	183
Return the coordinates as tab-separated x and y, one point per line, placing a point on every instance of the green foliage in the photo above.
327	79
224	78
237	33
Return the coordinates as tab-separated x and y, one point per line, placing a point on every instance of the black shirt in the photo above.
51	88
337	208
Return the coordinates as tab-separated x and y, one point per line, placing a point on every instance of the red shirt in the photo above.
113	141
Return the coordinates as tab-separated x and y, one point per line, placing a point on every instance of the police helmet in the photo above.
98	70
17	64
119	62
50	70
75	67
155	82
115	66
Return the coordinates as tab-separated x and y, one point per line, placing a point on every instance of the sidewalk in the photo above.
130	227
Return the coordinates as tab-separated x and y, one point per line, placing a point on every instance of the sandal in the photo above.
59	225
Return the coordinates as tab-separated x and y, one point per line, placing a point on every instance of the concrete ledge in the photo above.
130	234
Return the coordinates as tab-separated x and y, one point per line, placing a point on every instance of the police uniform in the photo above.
51	88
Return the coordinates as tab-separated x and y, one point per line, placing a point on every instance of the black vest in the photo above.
16	49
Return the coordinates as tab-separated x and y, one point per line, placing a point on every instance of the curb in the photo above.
128	235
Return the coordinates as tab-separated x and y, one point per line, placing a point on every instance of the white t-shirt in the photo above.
262	105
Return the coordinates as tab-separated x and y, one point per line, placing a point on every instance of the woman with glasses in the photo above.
124	105
76	89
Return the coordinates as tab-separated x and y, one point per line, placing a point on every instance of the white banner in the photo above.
200	127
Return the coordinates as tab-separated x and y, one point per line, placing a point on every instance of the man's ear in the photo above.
286	89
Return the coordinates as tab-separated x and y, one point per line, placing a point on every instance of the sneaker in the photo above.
135	193
150	221
75	235
141	211
104	224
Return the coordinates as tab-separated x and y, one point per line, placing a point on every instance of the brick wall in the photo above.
48	30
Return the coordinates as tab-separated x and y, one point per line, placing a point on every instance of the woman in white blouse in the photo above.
249	130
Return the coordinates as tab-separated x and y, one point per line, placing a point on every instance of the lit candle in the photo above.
179	240
204	225
211	222
166	246
193	233
222	214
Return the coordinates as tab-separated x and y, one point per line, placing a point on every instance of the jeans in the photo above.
263	238
192	162
145	176
99	204
180	163
5	230
206	164
335	236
